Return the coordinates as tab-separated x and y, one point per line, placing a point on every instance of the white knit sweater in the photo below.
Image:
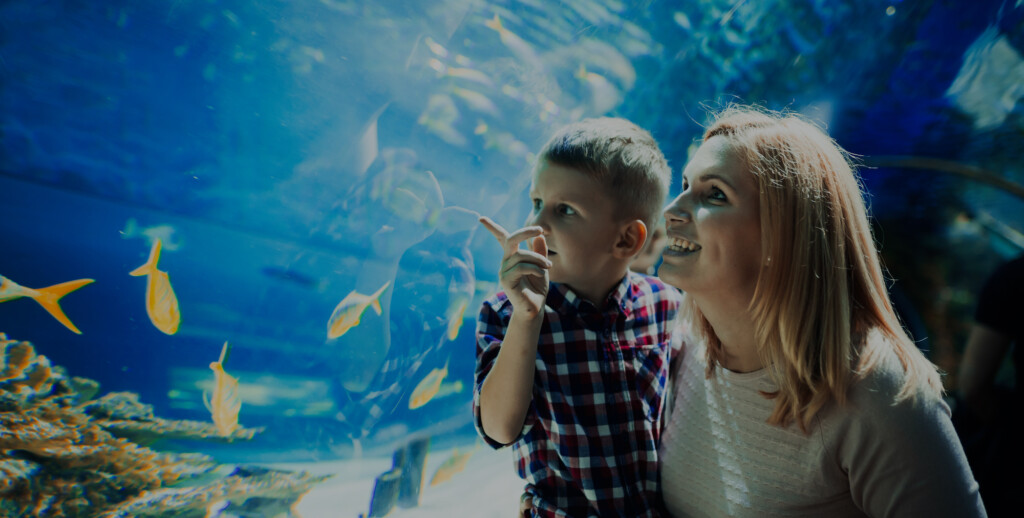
870	458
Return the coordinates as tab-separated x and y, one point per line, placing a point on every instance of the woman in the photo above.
796	393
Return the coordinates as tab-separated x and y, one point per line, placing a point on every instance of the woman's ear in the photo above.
631	239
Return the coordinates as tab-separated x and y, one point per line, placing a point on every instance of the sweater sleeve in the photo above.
904	459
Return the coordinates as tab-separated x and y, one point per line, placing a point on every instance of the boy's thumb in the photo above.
540	245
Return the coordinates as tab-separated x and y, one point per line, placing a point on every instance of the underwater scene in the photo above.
240	257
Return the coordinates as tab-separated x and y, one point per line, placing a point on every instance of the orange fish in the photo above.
225	403
161	303
350	311
451	466
428	387
46	297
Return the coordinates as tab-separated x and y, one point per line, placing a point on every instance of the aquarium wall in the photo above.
272	208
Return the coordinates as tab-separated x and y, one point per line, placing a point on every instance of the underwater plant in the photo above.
63	454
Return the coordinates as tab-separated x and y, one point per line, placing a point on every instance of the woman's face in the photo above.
713	226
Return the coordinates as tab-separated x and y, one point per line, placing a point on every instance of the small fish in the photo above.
450	388
46	297
428	387
290	275
682	20
350	310
225	403
440	116
476	100
161	303
513	42
451	466
456	312
605	96
469	74
165	233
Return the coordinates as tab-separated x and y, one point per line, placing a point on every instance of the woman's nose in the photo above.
677	211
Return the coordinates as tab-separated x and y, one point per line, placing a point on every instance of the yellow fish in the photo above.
46	297
351	309
451	466
225	404
456	313
428	387
517	45
161	303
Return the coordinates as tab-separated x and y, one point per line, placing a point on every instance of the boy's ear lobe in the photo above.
632	239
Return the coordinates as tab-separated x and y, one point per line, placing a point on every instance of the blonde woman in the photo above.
797	392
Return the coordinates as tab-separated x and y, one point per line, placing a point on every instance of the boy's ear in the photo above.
631	239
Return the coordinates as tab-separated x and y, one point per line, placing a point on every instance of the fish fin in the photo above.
48	298
494	23
150	266
206	401
224	353
376	306
130	229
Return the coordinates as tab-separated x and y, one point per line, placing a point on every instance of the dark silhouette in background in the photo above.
990	415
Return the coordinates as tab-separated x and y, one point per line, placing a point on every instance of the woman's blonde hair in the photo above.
820	292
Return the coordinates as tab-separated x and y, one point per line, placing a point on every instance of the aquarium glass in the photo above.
277	204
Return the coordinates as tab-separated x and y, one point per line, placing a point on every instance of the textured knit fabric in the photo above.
870	458
588	446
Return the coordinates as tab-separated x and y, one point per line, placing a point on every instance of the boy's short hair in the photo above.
624	157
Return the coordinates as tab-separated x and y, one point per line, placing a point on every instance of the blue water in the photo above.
294	152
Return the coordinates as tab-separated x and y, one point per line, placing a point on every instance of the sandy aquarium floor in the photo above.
487	487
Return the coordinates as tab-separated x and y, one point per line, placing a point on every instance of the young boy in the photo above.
572	371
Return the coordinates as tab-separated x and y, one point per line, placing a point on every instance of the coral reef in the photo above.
63	455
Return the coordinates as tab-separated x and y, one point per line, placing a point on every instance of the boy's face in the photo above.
578	218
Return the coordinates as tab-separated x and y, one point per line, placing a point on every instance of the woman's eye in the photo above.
716	194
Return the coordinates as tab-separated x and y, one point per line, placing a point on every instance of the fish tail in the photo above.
494	23
376	298
50	296
150	266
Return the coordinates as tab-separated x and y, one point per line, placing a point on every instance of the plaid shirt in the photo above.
589	444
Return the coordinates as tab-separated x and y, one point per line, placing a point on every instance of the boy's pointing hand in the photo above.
523	273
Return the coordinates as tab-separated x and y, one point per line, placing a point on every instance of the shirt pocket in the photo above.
650	366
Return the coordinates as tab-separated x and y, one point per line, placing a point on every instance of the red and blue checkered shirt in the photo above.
589	444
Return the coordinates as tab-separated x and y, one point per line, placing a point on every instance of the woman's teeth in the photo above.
682	245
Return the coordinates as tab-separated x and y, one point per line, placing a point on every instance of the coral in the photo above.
246	492
122	414
62	455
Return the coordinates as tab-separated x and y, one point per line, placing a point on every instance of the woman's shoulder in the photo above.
879	397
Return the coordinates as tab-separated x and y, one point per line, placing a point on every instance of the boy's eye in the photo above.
686	185
536	204
566	210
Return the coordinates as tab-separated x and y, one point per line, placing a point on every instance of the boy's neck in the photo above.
598	292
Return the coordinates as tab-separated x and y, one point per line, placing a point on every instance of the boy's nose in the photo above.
537	219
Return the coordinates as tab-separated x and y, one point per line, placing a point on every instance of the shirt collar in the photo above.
563	299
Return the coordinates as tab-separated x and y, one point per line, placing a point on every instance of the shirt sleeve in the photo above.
999	301
490	332
905	459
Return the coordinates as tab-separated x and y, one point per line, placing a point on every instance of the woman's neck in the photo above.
734	326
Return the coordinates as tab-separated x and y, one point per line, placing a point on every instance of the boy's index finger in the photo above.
496	229
510	241
521	235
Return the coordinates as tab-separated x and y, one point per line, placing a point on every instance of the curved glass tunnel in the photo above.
302	180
